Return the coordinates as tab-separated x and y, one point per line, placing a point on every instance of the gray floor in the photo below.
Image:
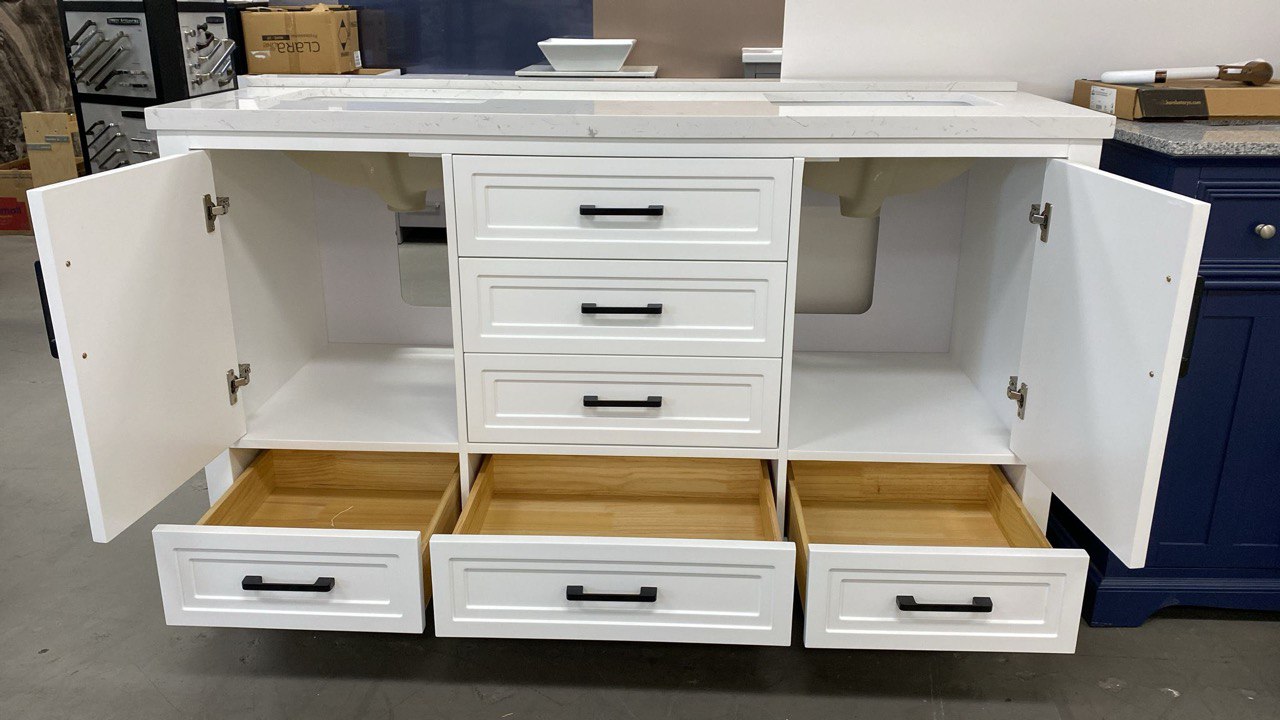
82	633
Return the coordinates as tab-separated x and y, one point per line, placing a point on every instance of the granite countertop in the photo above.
1239	138
740	110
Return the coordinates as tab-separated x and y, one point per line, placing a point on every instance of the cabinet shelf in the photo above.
891	407
362	397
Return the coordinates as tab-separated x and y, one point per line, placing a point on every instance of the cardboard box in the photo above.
15	181
51	141
1180	100
313	39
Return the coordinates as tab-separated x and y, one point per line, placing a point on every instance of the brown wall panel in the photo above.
691	38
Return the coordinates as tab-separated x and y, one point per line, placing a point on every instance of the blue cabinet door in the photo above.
1219	502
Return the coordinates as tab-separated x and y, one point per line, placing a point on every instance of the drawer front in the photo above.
614	307
376	578
1238	209
852	599
704	591
629	208
712	402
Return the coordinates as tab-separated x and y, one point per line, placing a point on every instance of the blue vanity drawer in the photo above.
1239	208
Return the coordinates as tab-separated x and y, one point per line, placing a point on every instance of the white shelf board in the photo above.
355	396
891	407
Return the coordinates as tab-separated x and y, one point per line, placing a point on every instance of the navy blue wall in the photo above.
469	36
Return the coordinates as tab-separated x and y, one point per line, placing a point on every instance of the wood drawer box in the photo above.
625	208
612	307
620	400
310	540
613	548
897	556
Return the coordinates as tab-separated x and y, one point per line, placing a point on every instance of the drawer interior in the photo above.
699	498
343	490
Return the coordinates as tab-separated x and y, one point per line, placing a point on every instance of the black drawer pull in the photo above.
653	401
576	592
592	210
44	307
980	605
254	582
594	309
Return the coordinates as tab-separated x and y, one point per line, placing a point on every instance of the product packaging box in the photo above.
1180	100
311	39
15	181
50	139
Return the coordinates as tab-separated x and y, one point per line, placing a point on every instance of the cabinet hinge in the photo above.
1018	393
213	209
1042	218
235	382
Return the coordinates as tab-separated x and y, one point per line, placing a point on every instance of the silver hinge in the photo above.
1042	218
1018	393
235	382
214	209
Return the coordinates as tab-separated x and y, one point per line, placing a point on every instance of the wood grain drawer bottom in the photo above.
656	549
900	556
312	541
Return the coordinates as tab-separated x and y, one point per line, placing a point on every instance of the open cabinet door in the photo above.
138	297
1111	292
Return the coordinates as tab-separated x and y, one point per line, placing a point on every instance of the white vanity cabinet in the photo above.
626	426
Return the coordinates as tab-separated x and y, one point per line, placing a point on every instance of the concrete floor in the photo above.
82	633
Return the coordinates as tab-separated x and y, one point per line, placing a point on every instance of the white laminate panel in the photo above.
691	308
725	402
377	578
139	302
711	209
852	598
707	591
1106	322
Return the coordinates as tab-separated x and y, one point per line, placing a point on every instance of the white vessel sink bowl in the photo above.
586	55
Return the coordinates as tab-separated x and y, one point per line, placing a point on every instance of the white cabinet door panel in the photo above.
701	209
610	307
1107	314
138	297
713	402
704	591
374	578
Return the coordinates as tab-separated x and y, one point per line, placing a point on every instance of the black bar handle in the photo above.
653	401
48	319
1196	299
594	309
254	582
979	605
576	592
592	210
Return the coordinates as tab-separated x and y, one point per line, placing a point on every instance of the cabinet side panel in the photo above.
273	267
994	276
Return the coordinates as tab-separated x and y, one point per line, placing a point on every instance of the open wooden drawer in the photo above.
313	540
617	548
927	557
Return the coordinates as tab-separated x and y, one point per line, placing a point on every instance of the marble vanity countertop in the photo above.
713	110
1204	138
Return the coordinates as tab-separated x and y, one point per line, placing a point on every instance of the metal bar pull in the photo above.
653	401
254	582
907	603
576	592
591	210
44	307
594	309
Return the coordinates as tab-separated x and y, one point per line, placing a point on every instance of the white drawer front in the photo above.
852	598
615	307
706	591
713	402
377	578
711	209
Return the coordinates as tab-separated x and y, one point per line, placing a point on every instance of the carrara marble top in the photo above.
645	109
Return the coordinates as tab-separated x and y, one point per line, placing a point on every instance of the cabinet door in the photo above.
1107	313
138	296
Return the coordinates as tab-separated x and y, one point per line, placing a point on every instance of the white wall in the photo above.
1043	45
